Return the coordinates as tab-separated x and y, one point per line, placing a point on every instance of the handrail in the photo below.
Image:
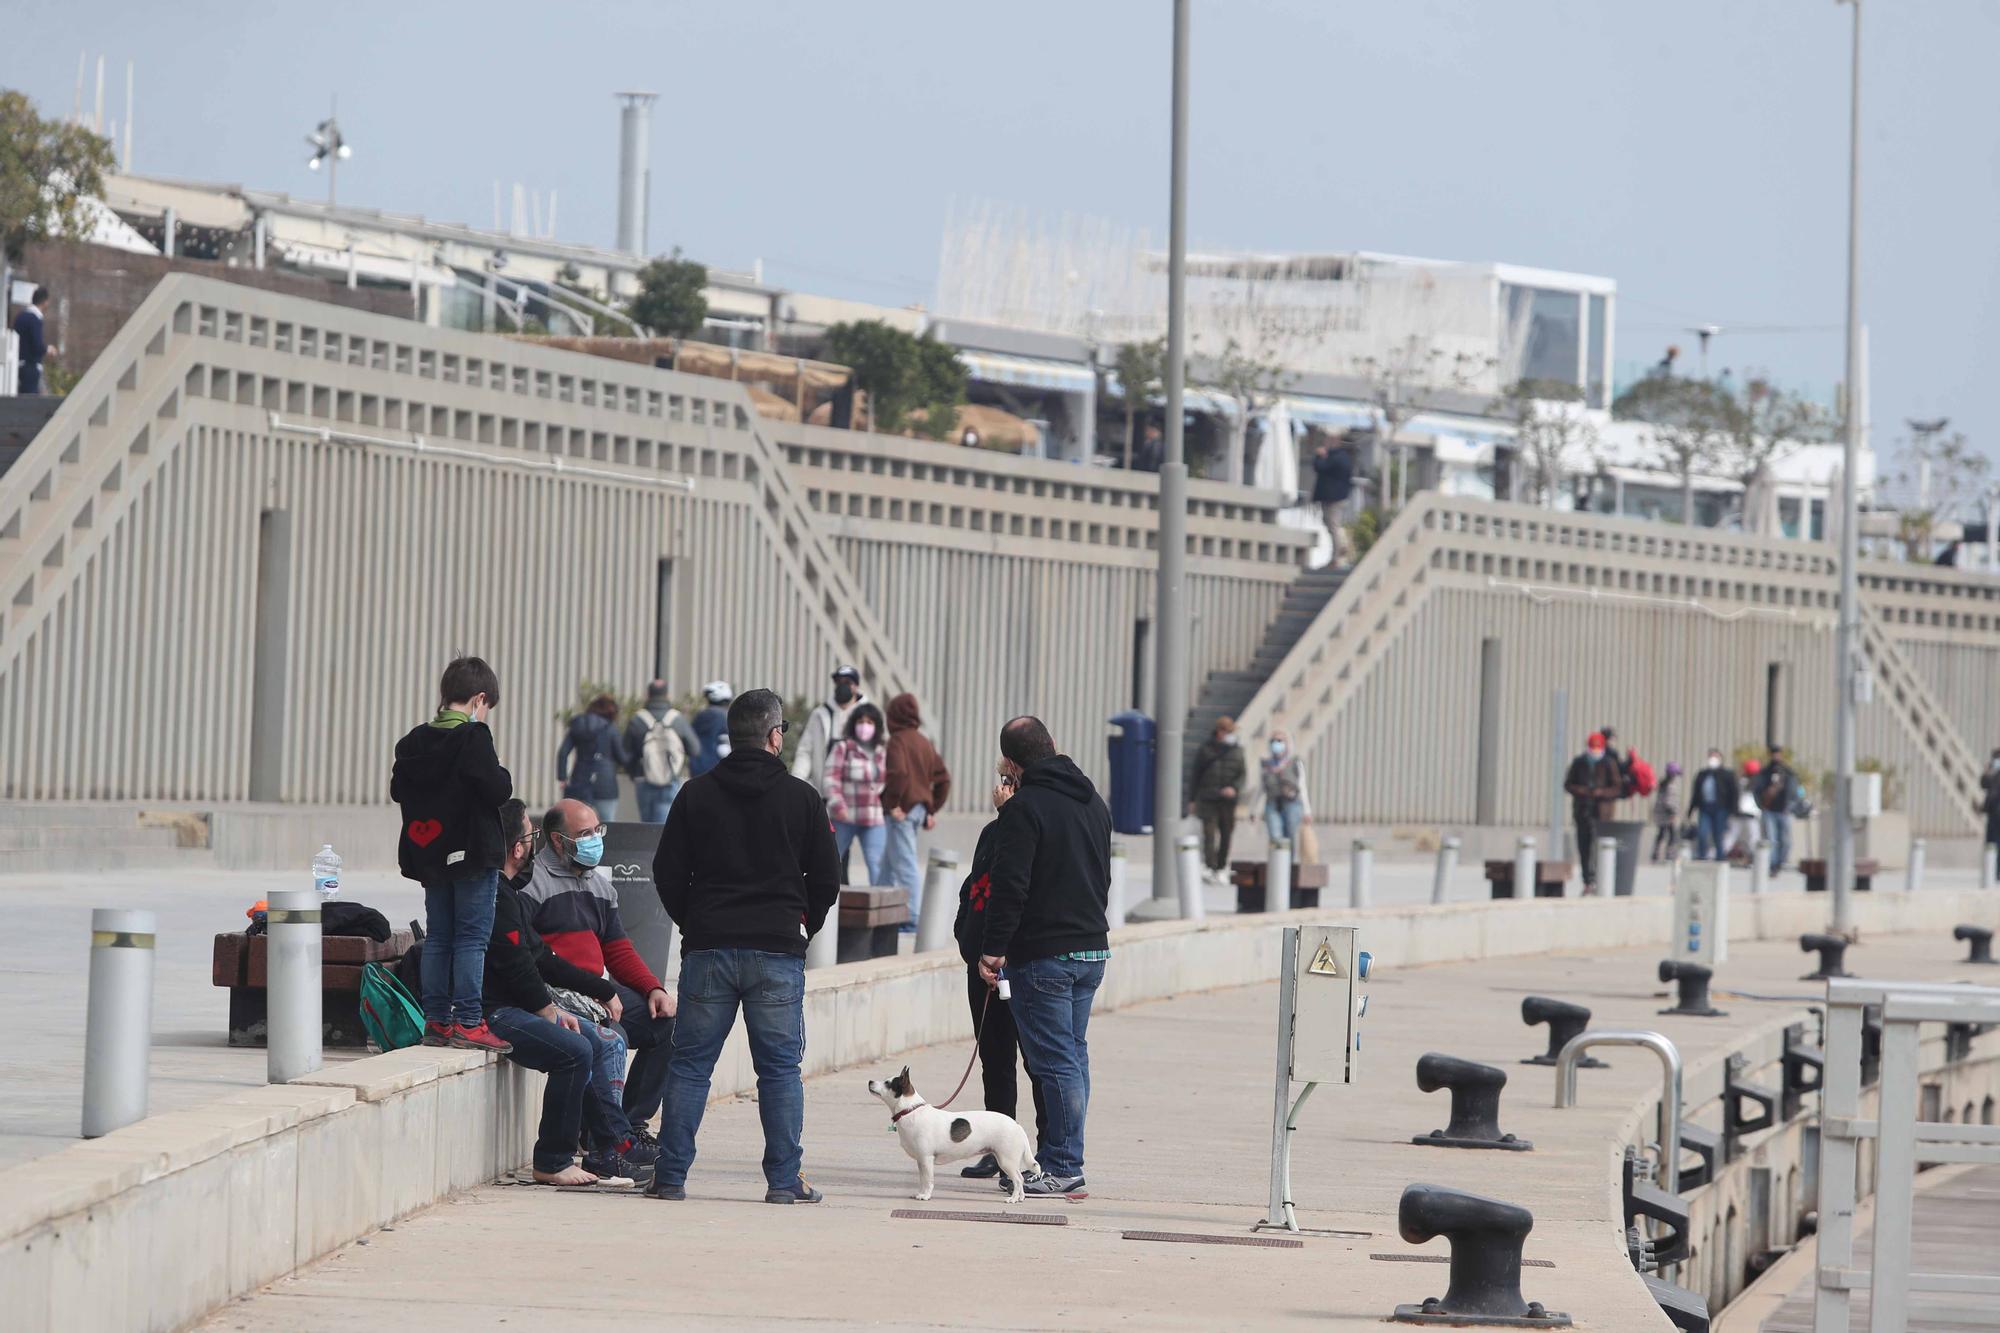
1670	1085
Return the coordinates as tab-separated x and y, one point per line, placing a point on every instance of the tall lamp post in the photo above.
1170	616
329	150
1848	676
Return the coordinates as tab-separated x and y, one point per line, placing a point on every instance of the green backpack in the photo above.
392	1019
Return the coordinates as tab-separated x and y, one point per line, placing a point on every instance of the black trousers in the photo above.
1218	826
999	1048
652	1043
1586	841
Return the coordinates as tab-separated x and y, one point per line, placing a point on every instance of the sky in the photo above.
1696	152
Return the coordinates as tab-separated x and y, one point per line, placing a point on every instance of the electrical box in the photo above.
1701	913
1865	801
1327	1004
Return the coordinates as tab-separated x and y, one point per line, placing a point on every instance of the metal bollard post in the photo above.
1114	904
1361	873
1760	866
118	1027
1524	866
1607	866
1447	865
1192	906
292	990
823	949
1988	854
1917	850
940	908
1278	876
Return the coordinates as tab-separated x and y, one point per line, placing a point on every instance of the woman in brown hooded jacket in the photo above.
915	785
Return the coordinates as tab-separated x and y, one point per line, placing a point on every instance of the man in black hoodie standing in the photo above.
746	869
1046	929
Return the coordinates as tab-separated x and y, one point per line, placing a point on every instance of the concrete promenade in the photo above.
44	958
1180	1127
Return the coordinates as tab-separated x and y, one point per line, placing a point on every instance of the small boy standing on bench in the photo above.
449	782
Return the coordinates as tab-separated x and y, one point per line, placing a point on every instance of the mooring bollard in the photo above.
1475	1104
118	1024
1278	876
1916	875
1979	939
1607	866
1447	866
1693	980
940	908
1192	906
1760	866
1361	873
1115	899
1832	950
1486	1238
1565	1020
823	949
1524	866
292	987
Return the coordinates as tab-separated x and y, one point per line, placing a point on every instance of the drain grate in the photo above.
1445	1259
1196	1238
1022	1219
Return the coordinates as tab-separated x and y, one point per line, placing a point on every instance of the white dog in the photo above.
931	1136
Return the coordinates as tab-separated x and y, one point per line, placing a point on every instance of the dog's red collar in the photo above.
905	1111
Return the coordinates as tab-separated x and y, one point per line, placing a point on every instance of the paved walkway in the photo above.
1180	1132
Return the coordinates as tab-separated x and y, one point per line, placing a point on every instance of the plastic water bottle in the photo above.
326	872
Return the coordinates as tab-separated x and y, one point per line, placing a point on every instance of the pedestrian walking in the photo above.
825	725
31	331
1046	931
1333	483
449	783
1712	799
1989	801
855	771
711	727
1666	816
1284	784
1594	783
915	787
659	745
1747	822
1778	794
1214	787
992	1015
599	751
746	870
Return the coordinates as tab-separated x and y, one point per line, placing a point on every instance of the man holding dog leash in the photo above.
1047	933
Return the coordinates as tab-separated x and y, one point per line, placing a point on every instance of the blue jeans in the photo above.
458	920
1281	820
872	837
770	988
900	863
1051	1006
1778	832
1711	829
568	1059
654	801
605	1122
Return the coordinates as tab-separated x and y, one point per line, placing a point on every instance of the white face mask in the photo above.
1715	761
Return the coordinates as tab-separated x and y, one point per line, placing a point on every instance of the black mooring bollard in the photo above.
1871	1045
1803	1070
1693	979
1832	956
1486	1236
1981	940
1565	1020
1475	1103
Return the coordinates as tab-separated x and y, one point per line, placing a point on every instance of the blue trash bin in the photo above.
1132	756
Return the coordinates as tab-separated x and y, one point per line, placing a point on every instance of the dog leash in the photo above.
977	1029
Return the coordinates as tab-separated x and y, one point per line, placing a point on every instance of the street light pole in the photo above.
1170	672
1847	674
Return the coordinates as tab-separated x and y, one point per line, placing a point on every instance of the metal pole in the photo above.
1170	690
1760	866
1447	864
118	1026
1524	867
823	949
1558	761
1114	907
1917	850
1989	865
1361	873
939	909
1847	639
292	984
1606	853
1278	876
1277	1215
1189	874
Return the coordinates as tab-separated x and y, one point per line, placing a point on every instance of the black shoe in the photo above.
610	1163
984	1169
795	1193
660	1189
640	1134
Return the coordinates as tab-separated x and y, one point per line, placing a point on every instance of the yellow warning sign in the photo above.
1324	964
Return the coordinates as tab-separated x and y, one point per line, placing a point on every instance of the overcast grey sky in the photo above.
1694	151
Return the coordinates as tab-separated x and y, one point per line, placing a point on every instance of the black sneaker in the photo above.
608	1164
984	1169
660	1189
797	1193
640	1134
1046	1184
639	1153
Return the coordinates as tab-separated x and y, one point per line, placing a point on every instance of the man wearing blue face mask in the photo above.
575	906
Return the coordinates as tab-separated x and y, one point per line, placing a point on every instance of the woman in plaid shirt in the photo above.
855	768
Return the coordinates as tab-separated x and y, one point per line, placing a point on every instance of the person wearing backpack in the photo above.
660	747
448	781
600	753
825	726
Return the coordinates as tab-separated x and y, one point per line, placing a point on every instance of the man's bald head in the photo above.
570	818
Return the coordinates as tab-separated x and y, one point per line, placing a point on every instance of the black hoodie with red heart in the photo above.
450	784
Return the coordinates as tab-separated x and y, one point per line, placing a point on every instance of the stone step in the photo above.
29	837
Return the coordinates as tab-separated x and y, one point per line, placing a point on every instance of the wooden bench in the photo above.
240	963
1551	877
870	921
1865	870
1252	894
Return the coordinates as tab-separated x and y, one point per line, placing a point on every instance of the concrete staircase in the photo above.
1227	693
58	837
21	419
